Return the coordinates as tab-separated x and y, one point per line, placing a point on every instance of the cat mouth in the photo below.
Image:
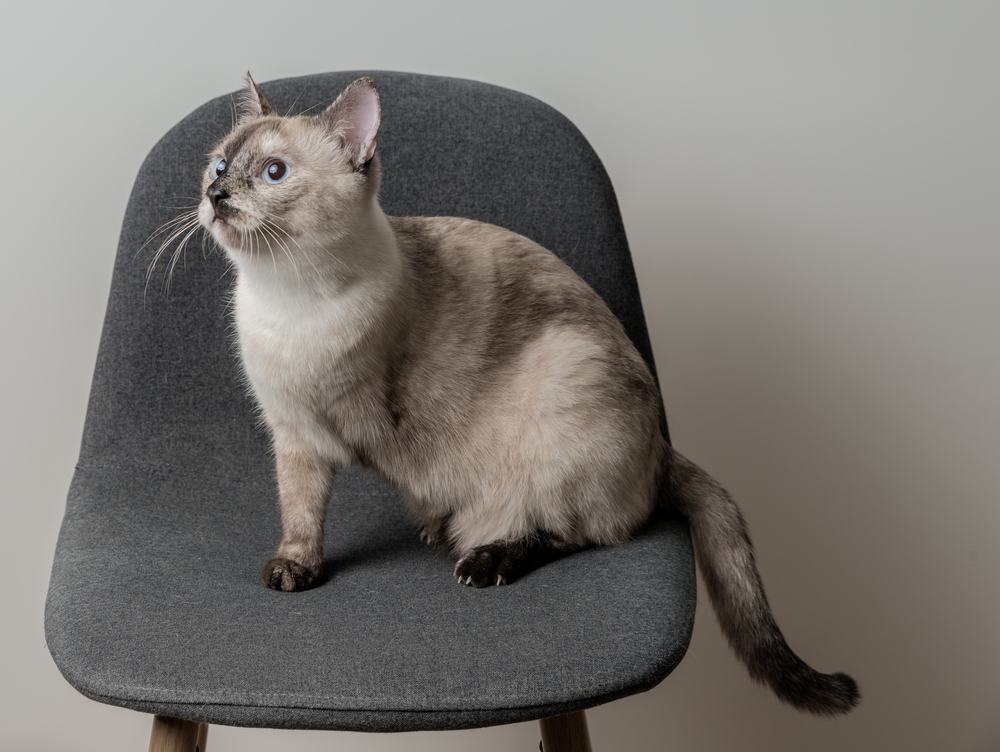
223	228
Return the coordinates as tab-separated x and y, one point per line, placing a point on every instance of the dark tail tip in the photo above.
822	694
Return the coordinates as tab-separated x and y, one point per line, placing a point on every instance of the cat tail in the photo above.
726	559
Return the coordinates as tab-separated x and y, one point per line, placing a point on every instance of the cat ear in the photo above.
253	103
355	118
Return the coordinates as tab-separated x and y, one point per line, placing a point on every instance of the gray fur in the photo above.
466	364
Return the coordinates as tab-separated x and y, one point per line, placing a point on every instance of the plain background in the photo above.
811	195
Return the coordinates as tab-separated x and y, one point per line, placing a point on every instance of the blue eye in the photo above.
275	171
219	166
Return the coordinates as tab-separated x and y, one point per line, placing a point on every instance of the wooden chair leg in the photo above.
565	733
175	735
202	737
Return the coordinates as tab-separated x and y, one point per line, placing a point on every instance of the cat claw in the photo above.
432	535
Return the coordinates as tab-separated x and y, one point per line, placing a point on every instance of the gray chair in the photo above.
155	602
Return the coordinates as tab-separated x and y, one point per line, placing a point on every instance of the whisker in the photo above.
179	253
196	197
229	268
189	226
281	245
307	109
303	251
268	225
176	232
166	227
274	261
274	229
294	102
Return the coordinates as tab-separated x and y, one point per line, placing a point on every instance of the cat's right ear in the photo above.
253	103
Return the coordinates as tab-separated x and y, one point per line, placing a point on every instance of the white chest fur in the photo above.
299	346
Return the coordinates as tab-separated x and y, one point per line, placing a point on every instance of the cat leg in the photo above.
304	481
503	561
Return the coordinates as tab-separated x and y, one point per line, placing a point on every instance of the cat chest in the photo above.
297	360
319	371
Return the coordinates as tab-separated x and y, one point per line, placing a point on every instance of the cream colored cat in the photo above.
468	365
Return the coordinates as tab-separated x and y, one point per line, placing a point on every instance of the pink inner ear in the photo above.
355	117
365	117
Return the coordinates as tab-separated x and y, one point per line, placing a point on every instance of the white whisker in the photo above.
266	225
190	225
179	253
167	227
274	261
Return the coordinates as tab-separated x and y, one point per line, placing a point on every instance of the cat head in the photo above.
274	182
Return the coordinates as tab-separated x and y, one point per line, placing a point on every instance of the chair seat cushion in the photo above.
155	604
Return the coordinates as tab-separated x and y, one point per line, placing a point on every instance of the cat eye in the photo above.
275	171
219	166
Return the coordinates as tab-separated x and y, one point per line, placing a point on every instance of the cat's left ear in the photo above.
253	103
355	118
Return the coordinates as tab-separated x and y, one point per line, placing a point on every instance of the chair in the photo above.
155	602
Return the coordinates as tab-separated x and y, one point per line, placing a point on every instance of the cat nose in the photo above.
216	194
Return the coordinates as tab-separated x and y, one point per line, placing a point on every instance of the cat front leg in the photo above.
495	545
503	561
304	481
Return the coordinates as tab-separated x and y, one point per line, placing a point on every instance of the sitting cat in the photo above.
468	365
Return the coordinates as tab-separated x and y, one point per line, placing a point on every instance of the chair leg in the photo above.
565	733
202	737
175	735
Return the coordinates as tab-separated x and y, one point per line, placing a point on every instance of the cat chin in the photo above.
225	234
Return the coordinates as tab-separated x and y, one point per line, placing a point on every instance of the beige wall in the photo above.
811	193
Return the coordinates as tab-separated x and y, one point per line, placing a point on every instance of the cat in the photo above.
457	359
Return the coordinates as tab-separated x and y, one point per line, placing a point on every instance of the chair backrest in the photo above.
167	386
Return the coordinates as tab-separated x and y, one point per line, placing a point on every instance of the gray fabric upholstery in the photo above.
155	602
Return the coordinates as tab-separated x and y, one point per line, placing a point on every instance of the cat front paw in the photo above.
289	576
482	567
